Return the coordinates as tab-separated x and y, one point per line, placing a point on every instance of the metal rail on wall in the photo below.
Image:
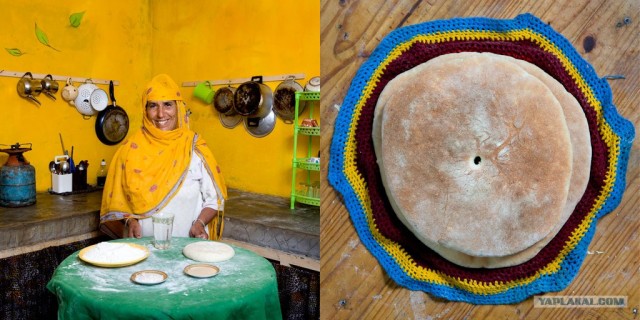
20	74
281	77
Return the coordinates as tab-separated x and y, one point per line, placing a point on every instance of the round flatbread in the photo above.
581	147
474	153
208	251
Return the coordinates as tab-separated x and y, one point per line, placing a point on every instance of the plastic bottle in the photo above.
102	173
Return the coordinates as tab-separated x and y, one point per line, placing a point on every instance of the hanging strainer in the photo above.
99	99
83	100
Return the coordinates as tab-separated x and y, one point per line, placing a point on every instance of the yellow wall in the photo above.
132	41
239	39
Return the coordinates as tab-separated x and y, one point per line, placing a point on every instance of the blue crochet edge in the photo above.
572	262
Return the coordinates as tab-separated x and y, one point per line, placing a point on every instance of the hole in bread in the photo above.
477	160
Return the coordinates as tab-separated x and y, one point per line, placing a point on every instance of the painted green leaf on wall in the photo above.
15	52
75	19
42	37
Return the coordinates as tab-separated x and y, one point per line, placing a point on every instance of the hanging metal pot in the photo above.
224	104
29	88
223	100
253	99
284	99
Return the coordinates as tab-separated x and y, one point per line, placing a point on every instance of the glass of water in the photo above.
162	228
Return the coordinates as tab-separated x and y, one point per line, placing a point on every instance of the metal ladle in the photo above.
64	167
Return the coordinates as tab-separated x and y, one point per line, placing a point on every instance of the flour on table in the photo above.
149	277
107	252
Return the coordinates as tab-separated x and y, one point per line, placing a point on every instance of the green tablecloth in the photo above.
245	288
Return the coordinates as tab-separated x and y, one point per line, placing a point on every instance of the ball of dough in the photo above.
208	251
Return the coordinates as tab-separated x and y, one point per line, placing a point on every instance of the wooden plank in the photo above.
270	78
353	284
20	74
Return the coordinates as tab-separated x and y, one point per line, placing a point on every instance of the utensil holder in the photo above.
61	183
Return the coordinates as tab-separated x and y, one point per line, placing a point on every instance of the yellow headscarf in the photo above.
150	166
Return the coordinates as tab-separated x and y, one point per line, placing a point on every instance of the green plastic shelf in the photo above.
309	131
309	96
299	164
307	200
302	163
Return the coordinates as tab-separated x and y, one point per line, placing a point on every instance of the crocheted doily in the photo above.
354	173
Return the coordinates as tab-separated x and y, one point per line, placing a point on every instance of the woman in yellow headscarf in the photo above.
164	167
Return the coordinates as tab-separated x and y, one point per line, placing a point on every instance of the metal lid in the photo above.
230	121
260	127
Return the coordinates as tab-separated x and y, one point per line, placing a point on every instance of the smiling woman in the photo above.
162	114
163	168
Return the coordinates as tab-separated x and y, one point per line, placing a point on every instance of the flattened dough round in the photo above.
208	251
474	153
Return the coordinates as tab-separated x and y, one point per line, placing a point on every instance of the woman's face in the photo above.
163	114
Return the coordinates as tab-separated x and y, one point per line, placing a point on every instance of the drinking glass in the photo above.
162	228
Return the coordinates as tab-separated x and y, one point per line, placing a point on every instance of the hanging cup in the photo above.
204	92
69	92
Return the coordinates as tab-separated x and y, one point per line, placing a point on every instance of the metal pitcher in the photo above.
29	88
49	86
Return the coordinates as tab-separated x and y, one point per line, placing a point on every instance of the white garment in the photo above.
197	192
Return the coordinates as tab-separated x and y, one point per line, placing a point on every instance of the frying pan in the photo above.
112	123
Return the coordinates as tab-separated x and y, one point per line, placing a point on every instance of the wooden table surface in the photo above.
353	284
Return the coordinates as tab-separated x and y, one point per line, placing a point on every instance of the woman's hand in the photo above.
197	230
135	230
